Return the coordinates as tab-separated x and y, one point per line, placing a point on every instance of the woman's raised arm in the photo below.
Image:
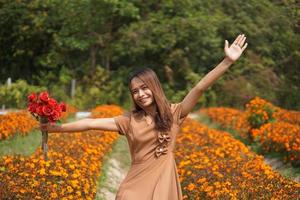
232	53
107	124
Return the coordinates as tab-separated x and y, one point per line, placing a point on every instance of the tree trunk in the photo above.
93	58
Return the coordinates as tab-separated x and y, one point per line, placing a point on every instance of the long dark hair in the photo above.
163	117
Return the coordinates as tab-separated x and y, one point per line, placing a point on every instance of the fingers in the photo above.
226	44
237	39
241	43
240	39
245	46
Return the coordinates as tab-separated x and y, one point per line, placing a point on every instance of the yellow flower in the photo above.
42	171
191	187
22	191
53	195
70	189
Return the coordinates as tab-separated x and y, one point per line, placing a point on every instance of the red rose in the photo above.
32	107
32	97
39	110
57	108
47	110
52	102
44	109
55	115
44	97
63	107
45	106
50	119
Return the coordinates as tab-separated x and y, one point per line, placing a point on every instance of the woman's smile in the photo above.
141	93
144	99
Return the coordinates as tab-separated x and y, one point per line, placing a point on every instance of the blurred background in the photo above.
82	51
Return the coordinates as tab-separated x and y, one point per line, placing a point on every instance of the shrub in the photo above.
15	95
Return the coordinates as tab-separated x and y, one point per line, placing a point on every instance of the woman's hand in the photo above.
236	48
49	127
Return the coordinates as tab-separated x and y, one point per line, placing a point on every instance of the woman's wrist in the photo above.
55	128
228	61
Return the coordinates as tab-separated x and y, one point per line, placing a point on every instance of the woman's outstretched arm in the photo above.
107	124
232	53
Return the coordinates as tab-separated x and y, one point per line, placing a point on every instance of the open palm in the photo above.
236	48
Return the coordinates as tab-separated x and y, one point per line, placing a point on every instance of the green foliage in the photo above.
259	112
49	43
236	92
256	120
15	95
289	95
103	87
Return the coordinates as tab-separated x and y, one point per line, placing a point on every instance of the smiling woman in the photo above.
141	93
151	128
149	99
153	173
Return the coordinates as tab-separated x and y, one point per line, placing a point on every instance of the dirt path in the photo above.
287	170
115	168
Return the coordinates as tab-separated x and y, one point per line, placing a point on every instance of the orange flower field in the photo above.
16	122
279	137
275	129
22	122
211	164
229	118
75	160
214	165
289	116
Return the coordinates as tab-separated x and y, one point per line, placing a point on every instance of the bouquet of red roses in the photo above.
45	109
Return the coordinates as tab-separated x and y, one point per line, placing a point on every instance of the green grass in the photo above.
22	145
121	152
103	177
290	172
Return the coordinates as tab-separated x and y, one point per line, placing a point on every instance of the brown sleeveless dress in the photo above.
153	173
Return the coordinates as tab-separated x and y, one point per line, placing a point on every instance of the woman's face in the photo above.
142	95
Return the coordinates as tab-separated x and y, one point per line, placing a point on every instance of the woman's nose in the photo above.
141	93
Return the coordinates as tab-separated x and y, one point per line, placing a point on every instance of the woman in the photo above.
151	129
